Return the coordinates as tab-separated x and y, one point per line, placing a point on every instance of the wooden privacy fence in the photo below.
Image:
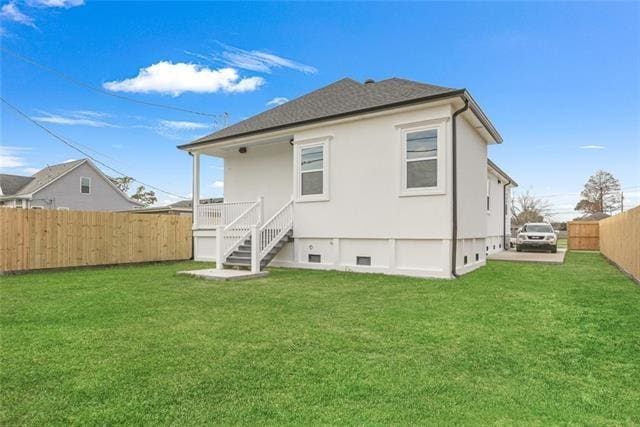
583	235
34	239
620	240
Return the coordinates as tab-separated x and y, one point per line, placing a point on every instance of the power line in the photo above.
84	153
85	85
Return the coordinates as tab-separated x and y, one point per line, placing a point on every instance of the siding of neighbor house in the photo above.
65	193
365	214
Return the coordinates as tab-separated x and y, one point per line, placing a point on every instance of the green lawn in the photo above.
508	344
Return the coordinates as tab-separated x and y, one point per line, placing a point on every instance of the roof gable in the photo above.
12	184
48	174
339	98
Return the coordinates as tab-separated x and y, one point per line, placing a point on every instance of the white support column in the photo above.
219	237
255	250
196	189
260	210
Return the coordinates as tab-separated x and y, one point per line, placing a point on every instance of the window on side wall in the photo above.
312	172
422	161
488	195
85	185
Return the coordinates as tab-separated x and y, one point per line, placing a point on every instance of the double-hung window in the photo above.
422	161
312	162
85	185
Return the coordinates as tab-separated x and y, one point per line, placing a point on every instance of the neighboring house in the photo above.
183	207
76	185
598	216
499	186
359	177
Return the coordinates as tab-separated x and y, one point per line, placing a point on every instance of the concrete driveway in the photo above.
541	257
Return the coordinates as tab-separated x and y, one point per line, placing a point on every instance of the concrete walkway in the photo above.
224	275
540	257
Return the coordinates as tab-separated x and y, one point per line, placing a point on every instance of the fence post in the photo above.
219	246
255	250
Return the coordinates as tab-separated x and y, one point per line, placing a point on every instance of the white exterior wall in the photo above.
472	190
495	215
264	170
366	214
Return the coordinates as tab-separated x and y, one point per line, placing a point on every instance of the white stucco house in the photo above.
389	177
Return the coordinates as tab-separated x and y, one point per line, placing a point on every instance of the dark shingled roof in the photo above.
342	97
11	184
46	175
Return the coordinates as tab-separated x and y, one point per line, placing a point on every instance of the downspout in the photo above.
454	184
506	242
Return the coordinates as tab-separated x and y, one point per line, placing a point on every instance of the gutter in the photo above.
454	190
505	241
451	94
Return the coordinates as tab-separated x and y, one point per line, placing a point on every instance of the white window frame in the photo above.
439	188
90	185
297	167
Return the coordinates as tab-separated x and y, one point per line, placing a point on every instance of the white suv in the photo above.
537	235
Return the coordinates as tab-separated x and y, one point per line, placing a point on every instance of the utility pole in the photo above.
622	201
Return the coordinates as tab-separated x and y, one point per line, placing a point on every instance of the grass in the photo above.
507	344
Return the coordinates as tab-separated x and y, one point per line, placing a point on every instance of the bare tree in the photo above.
601	194
526	207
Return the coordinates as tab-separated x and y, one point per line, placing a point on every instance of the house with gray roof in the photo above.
390	177
74	185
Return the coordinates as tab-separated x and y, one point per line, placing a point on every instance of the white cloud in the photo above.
279	100
76	118
183	125
11	12
165	77
218	184
592	147
10	161
56	3
11	157
256	60
69	160
30	171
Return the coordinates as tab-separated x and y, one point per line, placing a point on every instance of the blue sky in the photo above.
561	81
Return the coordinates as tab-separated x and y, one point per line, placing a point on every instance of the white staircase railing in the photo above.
210	215
270	233
230	236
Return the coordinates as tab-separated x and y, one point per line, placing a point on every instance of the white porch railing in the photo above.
230	236
269	234
211	215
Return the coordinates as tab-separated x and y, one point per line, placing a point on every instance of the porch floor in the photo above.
224	275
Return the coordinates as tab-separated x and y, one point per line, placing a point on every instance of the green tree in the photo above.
123	183
145	197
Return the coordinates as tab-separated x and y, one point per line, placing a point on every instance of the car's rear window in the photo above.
538	228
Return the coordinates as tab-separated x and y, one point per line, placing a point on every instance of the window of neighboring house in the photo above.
63	208
488	195
312	172
85	185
